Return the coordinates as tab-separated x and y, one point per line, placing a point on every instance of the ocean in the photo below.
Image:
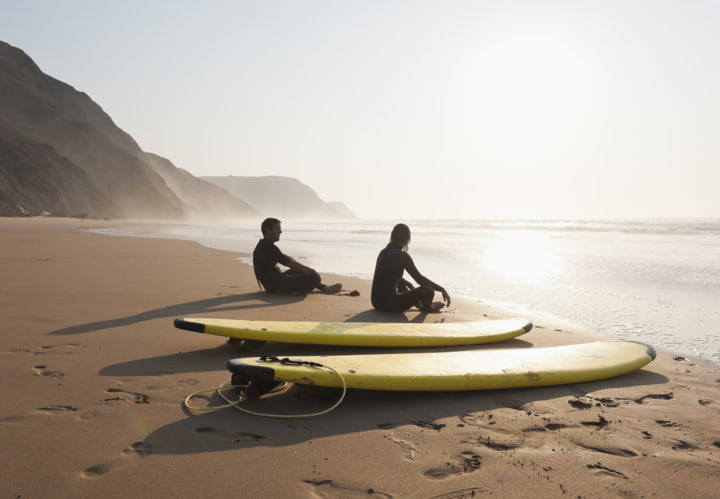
656	281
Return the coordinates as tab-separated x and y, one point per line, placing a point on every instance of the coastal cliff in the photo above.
61	154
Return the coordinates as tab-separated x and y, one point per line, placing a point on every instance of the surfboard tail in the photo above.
189	325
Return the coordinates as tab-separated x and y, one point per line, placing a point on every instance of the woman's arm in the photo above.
421	279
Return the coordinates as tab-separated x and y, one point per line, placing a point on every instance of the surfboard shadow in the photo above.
198	361
214	359
362	410
215	304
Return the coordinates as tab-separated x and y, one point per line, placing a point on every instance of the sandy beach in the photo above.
94	375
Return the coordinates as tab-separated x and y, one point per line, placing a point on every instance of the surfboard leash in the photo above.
291	362
243	397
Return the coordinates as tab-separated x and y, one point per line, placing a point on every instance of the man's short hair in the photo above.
268	223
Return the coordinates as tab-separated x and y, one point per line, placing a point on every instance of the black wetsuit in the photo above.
265	259
392	293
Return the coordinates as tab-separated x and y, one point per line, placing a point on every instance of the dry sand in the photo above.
94	375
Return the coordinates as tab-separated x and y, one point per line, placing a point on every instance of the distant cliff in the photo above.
202	199
280	197
47	111
62	155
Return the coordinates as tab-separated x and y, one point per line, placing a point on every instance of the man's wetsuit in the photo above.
392	293
265	259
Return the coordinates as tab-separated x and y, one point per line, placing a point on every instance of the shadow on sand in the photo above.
362	410
214	359
245	301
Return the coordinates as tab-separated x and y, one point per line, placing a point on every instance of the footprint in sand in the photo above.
96	470
581	403
48	409
429	425
63	349
498	446
135	449
57	409
607	402
408	445
547	427
44	371
467	462
614	451
138	398
499	439
657	396
12	419
461	494
588	402
604	470
668	424
139	448
476	420
600	423
684	445
330	489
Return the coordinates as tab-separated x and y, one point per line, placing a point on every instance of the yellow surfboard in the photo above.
457	370
361	333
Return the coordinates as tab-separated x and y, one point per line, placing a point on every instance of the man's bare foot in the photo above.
331	290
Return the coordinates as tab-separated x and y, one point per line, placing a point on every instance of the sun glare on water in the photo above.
522	257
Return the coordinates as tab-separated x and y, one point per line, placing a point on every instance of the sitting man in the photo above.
297	279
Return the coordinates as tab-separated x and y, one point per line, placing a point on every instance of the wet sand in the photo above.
94	375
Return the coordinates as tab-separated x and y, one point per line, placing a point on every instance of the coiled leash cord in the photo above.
236	403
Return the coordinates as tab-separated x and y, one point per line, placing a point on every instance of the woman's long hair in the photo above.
400	235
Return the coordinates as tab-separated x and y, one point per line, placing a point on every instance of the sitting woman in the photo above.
392	293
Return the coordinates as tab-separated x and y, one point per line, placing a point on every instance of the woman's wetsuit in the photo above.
392	293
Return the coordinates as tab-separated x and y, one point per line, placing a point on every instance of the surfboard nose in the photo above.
651	351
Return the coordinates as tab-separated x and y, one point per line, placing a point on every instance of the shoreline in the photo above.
674	320
94	376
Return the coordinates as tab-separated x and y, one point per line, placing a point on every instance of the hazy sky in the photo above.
411	109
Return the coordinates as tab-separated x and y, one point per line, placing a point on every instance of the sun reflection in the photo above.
523	257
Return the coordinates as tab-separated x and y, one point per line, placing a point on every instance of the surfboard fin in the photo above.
258	387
